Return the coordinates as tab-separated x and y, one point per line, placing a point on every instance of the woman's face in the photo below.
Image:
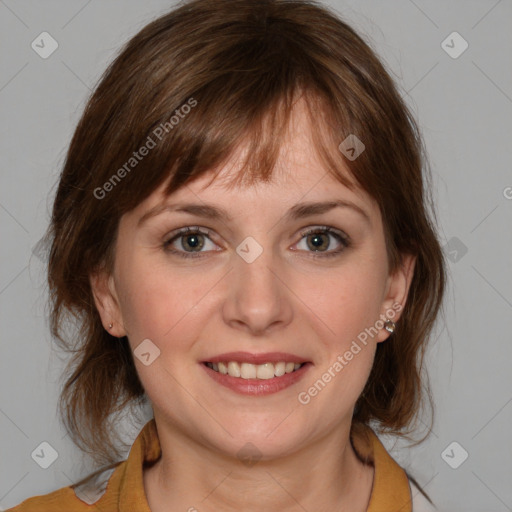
252	286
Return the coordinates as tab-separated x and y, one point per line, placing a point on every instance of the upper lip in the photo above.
247	357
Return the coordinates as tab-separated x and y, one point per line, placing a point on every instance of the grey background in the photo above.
464	108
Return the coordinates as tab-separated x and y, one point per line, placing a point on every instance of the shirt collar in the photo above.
144	451
391	491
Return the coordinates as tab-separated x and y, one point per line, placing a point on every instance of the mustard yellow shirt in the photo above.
121	489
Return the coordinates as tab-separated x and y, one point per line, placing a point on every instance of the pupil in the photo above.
193	241
317	241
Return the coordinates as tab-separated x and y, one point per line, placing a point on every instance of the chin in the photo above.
262	437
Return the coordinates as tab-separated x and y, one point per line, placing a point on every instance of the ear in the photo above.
398	288
107	302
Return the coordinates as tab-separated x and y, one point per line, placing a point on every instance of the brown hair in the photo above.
239	65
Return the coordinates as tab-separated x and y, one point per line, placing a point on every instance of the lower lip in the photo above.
256	387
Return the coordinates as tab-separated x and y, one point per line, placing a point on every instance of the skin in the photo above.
287	300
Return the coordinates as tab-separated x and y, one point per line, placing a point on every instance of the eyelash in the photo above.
343	239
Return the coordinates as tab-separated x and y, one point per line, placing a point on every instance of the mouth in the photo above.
256	374
247	371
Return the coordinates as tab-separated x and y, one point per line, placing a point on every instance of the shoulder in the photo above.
419	502
78	497
62	500
109	488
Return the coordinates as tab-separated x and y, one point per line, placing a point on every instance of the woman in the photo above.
242	232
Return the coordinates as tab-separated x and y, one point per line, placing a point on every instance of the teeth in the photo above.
279	369
254	371
247	371
233	369
265	371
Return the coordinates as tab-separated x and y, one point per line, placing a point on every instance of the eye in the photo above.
193	241
320	239
189	242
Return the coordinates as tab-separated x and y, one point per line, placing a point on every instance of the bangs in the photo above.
255	141
212	134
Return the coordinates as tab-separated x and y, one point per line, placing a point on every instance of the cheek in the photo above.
348	308
348	301
155	302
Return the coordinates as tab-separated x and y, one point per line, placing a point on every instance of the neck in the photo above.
324	476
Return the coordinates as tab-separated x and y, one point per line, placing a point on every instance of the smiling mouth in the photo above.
254	371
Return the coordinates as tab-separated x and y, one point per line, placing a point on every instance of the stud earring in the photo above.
110	325
389	325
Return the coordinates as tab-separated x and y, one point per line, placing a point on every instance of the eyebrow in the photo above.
298	211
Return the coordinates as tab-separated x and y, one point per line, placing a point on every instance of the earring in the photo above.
389	325
110	325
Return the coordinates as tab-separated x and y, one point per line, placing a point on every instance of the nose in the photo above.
258	300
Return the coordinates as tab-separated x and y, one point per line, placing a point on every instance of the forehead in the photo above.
287	196
299	175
